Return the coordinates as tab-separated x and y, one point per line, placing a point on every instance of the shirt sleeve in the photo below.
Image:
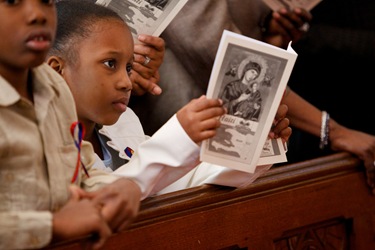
25	230
207	173
161	160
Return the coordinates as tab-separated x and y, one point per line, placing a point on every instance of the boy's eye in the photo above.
110	64
12	1
129	67
48	1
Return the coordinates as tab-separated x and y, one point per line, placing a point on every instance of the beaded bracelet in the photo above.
324	130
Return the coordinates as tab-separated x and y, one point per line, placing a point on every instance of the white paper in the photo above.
240	141
149	17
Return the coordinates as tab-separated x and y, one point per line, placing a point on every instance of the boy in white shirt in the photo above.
97	66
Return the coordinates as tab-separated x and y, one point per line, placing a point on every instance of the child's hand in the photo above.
199	118
148	56
280	127
80	217
119	202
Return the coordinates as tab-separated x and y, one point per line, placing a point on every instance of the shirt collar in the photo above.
8	94
44	84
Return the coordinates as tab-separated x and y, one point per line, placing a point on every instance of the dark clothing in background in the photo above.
335	70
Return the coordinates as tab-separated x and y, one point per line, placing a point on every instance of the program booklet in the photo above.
250	77
149	17
291	4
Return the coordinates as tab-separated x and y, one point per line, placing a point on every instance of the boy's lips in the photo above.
121	104
39	41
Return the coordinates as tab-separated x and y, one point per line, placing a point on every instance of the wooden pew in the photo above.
322	203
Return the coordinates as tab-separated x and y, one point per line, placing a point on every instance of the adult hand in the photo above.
148	56
199	118
280	127
285	26
358	143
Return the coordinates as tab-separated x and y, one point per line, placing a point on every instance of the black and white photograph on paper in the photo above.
250	77
149	17
275	5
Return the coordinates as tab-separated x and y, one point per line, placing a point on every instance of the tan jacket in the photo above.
37	159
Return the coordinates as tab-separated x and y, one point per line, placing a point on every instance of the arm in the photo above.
206	173
298	110
160	161
307	117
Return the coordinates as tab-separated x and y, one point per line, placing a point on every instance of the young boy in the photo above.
94	53
39	157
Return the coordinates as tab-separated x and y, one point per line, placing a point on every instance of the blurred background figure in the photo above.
334	72
192	39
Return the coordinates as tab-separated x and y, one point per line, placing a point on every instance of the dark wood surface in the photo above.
323	203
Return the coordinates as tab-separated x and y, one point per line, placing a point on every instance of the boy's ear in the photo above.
56	63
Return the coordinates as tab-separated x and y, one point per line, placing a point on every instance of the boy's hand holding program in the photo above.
199	117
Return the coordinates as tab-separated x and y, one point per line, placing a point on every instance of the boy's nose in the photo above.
125	82
36	12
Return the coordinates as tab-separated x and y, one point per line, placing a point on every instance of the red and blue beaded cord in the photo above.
77	130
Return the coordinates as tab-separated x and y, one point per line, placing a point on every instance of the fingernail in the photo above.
283	11
271	135
141	38
157	90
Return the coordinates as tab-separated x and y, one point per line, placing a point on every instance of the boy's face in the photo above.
27	30
99	79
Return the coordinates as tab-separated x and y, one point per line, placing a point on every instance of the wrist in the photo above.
335	131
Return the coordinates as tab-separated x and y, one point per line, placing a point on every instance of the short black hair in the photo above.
75	20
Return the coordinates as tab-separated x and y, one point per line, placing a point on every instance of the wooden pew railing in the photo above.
322	203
